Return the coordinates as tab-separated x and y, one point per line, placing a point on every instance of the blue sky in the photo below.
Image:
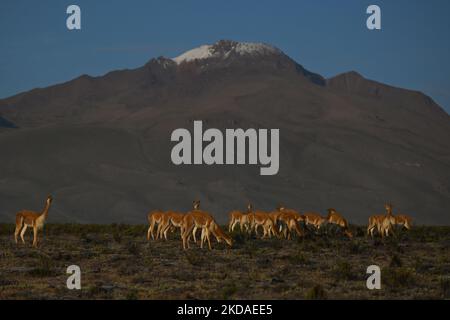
329	37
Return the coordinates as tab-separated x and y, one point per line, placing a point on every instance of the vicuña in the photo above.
35	220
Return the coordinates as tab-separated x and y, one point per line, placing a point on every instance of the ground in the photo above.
117	262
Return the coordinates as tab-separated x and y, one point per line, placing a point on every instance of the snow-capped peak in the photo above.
225	48
201	52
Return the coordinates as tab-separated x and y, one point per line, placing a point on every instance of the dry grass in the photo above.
118	263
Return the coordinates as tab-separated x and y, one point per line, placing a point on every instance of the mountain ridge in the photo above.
102	145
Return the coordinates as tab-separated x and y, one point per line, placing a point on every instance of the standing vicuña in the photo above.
241	218
388	222
171	220
265	220
26	218
288	220
154	218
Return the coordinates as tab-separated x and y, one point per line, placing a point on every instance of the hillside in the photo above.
101	145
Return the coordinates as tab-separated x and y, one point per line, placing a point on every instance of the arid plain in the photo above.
117	262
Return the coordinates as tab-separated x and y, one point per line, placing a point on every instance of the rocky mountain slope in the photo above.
101	145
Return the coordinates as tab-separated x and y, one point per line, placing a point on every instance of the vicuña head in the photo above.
404	220
348	234
388	207
330	213
220	235
196	204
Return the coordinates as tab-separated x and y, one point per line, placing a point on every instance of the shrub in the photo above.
238	238
98	290
133	230
358	231
445	287
316	293
117	235
133	248
194	259
355	247
229	290
132	295
298	258
343	271
395	261
397	277
44	268
6	229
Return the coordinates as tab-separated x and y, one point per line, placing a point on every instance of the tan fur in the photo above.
288	220
264	220
241	218
375	222
26	218
387	225
390	222
314	219
404	221
204	221
384	224
171	221
336	218
155	218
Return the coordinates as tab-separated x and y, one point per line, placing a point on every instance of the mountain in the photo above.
101	145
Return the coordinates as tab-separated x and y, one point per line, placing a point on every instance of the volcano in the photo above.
101	145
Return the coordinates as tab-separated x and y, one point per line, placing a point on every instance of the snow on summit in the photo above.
225	48
201	52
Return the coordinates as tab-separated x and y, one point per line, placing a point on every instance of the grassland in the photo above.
117	262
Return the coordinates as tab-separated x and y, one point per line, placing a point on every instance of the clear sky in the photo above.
326	36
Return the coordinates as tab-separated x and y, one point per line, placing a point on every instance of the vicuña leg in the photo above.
186	235
17	231
208	238
256	230
165	230
230	225
152	228
160	231
202	237
149	232
23	232
205	236
35	231
194	231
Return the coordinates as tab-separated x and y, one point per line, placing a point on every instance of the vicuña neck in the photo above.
44	213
